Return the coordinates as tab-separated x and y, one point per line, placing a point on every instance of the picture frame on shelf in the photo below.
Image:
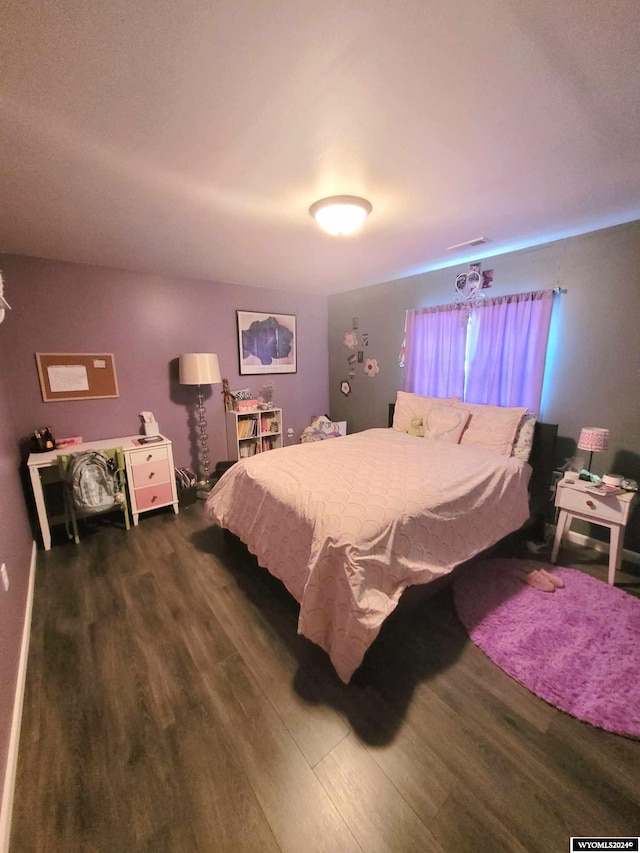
267	343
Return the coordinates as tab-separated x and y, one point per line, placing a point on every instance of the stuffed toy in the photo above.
417	427
321	427
326	427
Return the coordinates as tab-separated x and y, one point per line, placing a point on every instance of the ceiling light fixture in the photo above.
340	214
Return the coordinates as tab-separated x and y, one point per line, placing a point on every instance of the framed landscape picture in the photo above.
266	342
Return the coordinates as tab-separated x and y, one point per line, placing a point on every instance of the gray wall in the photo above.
593	368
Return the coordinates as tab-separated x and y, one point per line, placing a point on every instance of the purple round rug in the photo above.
578	647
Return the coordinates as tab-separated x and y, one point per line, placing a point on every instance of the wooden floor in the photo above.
171	706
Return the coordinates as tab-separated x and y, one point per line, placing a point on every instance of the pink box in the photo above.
68	442
246	405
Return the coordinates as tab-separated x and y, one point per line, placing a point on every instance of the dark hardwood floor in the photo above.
171	706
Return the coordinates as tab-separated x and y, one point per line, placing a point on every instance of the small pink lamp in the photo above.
593	439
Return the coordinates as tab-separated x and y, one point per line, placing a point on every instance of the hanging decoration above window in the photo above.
469	286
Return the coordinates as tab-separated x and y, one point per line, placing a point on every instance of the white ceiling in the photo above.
189	138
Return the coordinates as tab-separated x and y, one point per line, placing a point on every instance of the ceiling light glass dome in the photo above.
340	214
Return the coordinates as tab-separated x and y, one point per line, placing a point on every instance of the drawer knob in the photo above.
154	499
591	505
152	474
149	457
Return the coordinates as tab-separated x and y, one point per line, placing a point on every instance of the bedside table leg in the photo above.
564	521
615	552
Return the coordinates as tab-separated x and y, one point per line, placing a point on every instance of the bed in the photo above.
349	524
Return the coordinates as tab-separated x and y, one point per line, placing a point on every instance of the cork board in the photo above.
76	376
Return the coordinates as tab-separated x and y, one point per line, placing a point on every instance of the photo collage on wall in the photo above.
358	343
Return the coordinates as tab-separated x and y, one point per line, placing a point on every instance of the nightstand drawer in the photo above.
150	472
605	508
139	457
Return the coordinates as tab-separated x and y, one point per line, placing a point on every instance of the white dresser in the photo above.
151	478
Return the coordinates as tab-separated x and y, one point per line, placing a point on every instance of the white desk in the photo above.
151	481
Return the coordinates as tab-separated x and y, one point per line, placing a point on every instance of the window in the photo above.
496	355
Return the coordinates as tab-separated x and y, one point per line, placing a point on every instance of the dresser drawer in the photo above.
155	454
150	472
149	497
606	508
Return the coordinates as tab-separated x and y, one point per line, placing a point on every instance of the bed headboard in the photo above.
542	461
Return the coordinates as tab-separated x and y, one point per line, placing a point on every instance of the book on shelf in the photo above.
269	424
247	427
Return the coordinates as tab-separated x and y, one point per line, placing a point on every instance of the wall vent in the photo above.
479	241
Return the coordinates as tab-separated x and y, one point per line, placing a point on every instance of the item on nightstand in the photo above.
603	490
573	465
593	439
615	480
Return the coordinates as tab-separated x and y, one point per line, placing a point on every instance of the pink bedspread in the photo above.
347	525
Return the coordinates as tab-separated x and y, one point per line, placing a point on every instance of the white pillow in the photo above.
410	406
524	438
492	427
444	423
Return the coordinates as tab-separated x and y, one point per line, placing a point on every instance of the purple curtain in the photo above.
435	345
507	348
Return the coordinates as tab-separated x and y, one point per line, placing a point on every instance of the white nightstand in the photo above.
612	511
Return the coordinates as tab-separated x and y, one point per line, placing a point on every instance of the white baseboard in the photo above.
14	739
598	545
